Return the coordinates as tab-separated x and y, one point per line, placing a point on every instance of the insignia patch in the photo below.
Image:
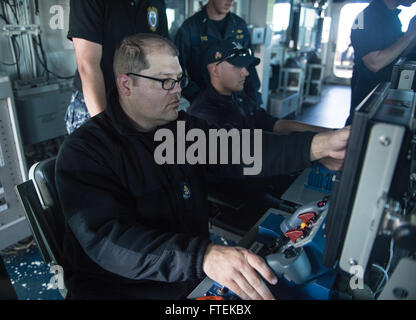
204	38
186	191
152	18
218	56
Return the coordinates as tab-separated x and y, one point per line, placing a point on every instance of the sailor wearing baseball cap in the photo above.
224	104
232	52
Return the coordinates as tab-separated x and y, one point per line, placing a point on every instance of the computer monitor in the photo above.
376	166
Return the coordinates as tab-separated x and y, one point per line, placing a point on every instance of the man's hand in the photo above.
236	268
332	164
337	143
331	144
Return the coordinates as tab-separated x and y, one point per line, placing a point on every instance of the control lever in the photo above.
287	258
293	264
307	214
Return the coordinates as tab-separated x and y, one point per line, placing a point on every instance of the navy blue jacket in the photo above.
234	110
136	229
195	35
377	29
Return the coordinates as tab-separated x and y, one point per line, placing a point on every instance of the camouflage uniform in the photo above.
77	113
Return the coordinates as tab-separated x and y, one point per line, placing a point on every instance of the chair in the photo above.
43	212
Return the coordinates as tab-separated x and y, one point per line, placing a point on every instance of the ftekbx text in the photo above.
211	309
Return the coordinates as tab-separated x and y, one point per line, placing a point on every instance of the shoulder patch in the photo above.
153	18
186	190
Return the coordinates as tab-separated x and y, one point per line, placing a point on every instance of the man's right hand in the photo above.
238	269
331	144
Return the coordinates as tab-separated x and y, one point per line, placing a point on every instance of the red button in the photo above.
294	235
307	217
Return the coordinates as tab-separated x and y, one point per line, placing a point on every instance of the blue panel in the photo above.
320	179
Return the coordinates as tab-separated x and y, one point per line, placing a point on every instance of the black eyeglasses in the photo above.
238	53
167	84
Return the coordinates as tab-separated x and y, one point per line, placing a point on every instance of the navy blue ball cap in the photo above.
232	52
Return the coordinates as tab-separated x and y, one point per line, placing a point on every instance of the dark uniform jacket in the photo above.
193	38
377	28
235	110
136	229
108	22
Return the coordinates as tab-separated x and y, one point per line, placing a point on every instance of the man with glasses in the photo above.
137	229
214	22
95	28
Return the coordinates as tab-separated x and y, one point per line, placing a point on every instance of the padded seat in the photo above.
43	211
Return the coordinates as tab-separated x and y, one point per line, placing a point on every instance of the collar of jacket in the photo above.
118	118
220	100
205	18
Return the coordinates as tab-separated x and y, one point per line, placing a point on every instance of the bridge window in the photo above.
281	16
344	56
406	15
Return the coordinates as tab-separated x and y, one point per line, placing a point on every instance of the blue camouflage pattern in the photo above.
77	113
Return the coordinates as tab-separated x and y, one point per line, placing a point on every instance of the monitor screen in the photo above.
393	109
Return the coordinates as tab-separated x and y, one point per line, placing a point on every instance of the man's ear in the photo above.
124	84
214	70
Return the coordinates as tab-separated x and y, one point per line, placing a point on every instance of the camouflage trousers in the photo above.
77	112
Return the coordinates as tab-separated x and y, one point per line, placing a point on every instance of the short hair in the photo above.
131	54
